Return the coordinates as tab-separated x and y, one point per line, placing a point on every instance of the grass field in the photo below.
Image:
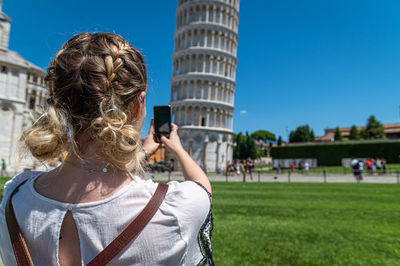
306	224
2	182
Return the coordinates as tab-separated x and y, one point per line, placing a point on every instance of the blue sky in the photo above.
322	63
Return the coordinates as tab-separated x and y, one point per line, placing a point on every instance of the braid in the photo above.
60	52
112	65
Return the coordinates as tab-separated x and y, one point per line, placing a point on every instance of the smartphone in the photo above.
162	121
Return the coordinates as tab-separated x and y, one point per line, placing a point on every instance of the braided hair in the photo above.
93	81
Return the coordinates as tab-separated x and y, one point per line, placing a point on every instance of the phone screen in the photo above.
162	121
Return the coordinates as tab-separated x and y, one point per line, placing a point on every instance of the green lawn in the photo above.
306	224
3	180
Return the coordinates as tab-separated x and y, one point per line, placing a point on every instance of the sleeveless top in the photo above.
178	234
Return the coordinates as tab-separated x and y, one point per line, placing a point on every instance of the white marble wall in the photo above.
4	34
16	91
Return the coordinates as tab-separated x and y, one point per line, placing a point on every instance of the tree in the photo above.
354	133
245	146
280	141
302	134
338	134
251	148
374	129
263	135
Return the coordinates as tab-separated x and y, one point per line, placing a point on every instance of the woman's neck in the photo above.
83	179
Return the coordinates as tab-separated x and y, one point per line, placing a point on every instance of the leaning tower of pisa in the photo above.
203	79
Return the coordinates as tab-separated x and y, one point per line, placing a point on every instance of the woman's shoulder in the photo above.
18	179
185	190
14	182
182	198
189	201
189	190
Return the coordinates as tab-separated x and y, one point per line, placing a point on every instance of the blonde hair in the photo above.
92	82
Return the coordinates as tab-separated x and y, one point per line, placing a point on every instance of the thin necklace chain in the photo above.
89	170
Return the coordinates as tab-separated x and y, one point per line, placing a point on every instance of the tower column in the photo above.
208	117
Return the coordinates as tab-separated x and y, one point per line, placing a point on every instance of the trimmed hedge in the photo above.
332	154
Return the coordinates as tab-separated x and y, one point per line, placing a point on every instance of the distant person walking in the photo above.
356	169
278	169
292	166
237	166
360	169
368	163
306	167
250	167
232	168
243	168
219	168
228	168
300	167
378	164
3	168
384	166
373	166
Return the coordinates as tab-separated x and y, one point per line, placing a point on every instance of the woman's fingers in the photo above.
151	129
164	140
174	129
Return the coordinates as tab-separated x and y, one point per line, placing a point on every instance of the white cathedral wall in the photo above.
10	133
3	82
16	131
12	84
5	130
12	94
13	117
5	35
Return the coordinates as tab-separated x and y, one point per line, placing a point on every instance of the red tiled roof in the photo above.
328	137
389	128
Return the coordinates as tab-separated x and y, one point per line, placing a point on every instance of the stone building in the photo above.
203	80
22	89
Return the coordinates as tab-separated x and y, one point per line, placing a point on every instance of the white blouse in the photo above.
178	234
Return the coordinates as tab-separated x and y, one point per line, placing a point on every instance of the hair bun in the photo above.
47	137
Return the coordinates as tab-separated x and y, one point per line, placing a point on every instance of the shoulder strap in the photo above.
17	240
132	229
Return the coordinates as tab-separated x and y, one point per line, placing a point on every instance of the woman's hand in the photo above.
173	143
149	143
191	170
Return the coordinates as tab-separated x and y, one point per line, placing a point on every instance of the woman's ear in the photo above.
136	108
142	97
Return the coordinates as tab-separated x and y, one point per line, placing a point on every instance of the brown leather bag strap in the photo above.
132	229
17	240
